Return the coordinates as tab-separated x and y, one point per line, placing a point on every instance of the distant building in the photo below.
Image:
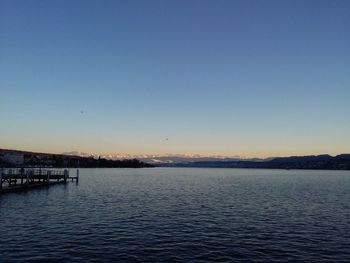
12	157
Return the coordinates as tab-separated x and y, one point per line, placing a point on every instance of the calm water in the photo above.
174	214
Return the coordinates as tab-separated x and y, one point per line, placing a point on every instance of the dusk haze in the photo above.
234	78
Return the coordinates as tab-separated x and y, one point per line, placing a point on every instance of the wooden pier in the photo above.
17	179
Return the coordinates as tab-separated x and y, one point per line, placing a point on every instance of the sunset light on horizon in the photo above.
228	78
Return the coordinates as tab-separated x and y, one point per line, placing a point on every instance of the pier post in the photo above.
65	175
10	180
27	179
77	176
48	177
1	180
22	174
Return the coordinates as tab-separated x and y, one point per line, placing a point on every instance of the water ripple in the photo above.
181	215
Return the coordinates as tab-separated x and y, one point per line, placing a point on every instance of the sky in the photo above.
235	78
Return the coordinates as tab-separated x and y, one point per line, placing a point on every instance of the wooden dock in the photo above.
18	179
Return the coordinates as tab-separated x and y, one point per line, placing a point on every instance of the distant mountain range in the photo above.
167	158
76	159
339	162
324	161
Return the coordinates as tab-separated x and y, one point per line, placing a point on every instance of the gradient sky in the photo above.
248	78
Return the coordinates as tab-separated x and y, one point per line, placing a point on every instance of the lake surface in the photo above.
181	215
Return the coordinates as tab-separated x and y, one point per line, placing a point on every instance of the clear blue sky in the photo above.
249	78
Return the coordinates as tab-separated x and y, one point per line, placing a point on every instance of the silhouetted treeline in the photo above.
5	164
24	159
89	162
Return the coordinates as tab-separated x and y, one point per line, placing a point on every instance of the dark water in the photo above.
169	215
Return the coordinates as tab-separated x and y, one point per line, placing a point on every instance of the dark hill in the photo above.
320	162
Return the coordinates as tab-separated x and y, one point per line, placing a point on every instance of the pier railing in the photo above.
15	178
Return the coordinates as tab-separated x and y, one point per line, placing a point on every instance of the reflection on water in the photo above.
166	214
